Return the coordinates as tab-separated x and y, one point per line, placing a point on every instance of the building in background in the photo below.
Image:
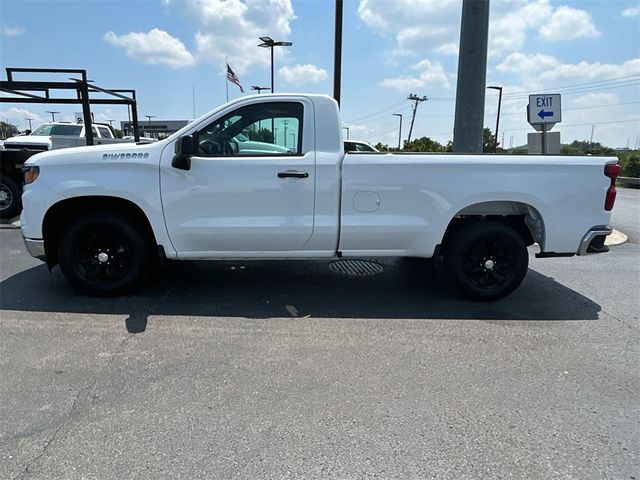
158	129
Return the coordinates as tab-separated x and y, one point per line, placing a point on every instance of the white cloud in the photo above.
508	30
568	23
431	75
231	28
12	31
450	48
526	64
585	71
18	116
418	26
631	11
155	47
302	74
596	99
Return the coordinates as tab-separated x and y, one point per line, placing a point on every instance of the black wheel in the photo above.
104	253
10	201
487	260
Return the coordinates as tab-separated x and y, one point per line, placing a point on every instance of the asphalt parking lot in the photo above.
289	370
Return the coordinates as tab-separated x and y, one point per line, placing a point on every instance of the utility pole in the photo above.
285	123
337	52
591	141
472	75
416	99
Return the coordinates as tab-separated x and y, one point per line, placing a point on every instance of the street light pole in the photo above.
347	129
259	89
53	115
495	142
400	129
149	117
268	42
29	120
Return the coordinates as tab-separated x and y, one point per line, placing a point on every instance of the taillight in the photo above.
612	171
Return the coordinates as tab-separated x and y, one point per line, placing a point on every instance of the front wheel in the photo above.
10	202
487	260
104	254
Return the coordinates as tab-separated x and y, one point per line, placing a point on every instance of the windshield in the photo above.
55	129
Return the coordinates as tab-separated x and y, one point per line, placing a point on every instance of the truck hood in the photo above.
28	140
121	153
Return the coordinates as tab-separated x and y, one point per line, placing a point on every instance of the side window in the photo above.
349	147
95	132
104	132
261	129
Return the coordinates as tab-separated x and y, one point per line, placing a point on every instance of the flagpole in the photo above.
226	76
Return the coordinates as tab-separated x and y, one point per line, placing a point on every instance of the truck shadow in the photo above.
406	289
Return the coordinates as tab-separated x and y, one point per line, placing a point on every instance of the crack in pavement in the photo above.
81	396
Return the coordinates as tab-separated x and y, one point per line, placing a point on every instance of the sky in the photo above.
586	50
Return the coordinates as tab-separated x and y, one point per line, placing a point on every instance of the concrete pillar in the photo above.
472	76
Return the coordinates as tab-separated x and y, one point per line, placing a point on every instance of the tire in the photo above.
487	260
10	200
104	254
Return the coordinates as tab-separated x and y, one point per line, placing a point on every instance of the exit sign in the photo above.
544	109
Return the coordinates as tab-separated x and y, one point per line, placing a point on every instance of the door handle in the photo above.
293	174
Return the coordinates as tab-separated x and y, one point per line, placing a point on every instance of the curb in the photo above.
616	238
10	223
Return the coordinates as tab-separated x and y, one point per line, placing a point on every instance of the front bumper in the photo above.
593	241
35	248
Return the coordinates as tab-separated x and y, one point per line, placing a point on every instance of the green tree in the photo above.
383	147
118	133
261	135
488	141
423	144
8	130
630	163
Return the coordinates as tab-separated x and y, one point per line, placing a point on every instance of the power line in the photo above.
378	113
579	124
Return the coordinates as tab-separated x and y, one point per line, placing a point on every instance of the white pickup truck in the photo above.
107	213
54	135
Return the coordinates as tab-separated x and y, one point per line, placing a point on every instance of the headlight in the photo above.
30	174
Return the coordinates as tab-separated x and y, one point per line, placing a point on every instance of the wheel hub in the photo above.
3	196
489	264
103	257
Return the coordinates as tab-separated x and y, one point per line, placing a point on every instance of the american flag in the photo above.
233	78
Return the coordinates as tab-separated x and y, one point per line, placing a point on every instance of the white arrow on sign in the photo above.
544	109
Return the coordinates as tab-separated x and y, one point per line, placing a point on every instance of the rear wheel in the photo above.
487	260
10	201
104	253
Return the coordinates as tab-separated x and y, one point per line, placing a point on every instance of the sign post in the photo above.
543	112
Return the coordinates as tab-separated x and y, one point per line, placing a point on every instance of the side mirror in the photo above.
184	146
184	150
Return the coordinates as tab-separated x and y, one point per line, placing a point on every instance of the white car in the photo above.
54	135
106	213
358	146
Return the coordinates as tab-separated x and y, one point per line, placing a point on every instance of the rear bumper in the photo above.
593	241
35	248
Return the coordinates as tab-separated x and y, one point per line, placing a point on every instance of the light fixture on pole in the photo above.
400	129
495	142
268	42
347	129
53	115
149	117
259	89
28	120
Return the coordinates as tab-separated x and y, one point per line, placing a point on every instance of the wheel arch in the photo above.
60	215
522	217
